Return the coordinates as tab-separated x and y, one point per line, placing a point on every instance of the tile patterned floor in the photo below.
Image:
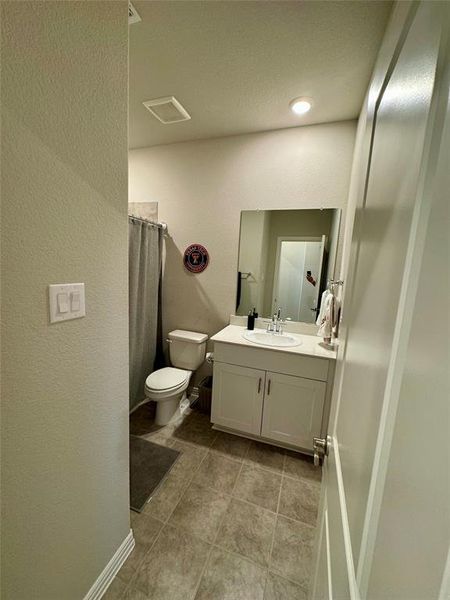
234	520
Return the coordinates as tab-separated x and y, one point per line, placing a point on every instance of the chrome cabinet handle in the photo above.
259	385
268	388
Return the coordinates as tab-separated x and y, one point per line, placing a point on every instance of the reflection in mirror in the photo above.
286	258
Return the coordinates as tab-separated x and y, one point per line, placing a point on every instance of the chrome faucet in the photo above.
276	324
271	325
279	323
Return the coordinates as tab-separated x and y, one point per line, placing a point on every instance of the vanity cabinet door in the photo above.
238	397
293	409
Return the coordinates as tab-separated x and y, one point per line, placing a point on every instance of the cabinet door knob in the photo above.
259	385
268	388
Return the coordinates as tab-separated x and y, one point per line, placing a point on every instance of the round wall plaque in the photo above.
196	258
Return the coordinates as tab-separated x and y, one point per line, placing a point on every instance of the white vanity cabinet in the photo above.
238	397
276	396
293	409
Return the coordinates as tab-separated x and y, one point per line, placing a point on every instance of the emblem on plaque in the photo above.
196	258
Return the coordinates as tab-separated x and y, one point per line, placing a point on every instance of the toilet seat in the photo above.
167	381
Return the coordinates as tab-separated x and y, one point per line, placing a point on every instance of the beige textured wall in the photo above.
64	207
202	187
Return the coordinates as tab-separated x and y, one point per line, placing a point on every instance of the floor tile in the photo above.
299	499
172	568
278	588
189	460
218	472
169	560
230	445
301	466
169	493
200	511
292	550
247	530
132	593
197	429
145	529
265	455
163	437
142	420
259	486
229	577
115	590
166	497
132	563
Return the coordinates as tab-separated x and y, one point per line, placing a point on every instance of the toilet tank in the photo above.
187	349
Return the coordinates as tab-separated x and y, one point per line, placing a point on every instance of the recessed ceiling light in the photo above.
300	106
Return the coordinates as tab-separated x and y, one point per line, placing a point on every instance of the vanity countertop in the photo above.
311	344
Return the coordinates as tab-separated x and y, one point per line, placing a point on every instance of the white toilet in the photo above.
167	387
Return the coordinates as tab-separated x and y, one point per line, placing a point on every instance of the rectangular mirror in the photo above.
286	258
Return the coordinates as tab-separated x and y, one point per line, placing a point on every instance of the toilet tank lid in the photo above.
188	336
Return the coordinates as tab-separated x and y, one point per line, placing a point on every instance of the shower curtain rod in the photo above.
162	226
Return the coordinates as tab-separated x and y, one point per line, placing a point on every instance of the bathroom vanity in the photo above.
278	394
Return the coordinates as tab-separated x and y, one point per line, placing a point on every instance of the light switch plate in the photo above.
73	310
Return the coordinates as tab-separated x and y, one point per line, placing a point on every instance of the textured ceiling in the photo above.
236	65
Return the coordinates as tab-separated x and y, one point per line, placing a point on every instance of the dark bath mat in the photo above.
149	464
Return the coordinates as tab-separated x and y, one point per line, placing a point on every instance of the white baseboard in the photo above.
105	578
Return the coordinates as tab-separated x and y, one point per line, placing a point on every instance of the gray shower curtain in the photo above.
145	258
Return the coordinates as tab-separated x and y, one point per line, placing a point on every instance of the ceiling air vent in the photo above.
167	110
133	16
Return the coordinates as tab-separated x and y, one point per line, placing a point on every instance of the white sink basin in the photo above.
272	339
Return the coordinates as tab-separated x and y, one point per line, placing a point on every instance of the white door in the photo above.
408	120
293	291
293	408
238	397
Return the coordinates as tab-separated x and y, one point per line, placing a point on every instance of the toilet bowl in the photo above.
167	387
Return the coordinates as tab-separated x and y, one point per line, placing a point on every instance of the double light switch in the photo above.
66	301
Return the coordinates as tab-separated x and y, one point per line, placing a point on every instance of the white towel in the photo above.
329	316
322	307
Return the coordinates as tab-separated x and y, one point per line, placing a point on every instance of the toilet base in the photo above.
168	408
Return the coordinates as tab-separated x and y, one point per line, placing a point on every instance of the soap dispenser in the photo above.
250	321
